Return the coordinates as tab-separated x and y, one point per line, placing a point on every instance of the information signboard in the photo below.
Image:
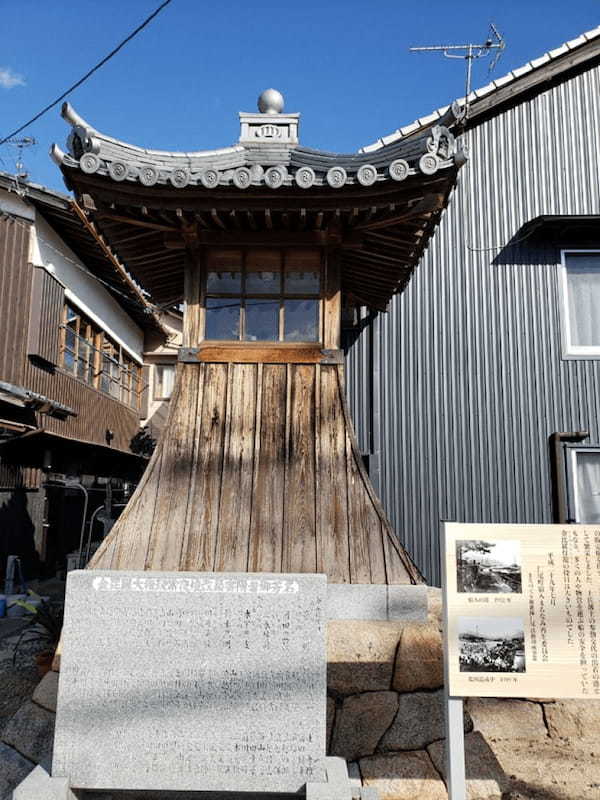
522	606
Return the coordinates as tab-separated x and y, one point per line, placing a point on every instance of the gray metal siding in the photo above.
471	380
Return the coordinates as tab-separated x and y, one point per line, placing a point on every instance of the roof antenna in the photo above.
469	52
20	172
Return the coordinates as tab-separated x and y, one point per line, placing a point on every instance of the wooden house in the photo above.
269	245
72	326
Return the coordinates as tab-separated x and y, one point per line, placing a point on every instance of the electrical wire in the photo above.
89	73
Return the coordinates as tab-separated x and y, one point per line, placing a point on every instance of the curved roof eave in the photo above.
264	162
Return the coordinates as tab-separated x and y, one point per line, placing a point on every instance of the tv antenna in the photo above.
469	52
21	144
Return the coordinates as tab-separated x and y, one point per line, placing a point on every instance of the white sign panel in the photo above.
522	610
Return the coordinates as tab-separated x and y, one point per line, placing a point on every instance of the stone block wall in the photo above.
385	716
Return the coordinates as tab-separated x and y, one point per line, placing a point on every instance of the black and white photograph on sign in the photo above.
491	644
488	567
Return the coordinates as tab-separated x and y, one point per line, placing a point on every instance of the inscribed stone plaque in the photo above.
522	610
192	681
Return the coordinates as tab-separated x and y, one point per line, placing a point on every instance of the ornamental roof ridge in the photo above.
268	154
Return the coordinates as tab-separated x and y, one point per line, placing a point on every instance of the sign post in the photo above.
521	612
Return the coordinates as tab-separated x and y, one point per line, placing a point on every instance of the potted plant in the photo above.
44	626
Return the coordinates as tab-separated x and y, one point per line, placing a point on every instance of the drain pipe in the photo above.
560	507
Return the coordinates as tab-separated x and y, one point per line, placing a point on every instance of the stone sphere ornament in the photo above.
270	102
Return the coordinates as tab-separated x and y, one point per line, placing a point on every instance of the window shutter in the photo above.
47	300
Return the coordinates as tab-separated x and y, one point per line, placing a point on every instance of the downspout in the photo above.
560	507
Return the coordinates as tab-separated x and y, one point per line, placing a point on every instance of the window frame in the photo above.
281	297
571	351
155	366
573	502
100	347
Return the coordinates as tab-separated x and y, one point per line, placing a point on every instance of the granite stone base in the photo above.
517	750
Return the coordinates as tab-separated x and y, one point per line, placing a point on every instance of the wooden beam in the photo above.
433	202
133	221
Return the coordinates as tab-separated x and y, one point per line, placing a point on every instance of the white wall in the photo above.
89	295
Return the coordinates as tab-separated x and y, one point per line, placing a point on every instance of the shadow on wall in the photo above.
17	533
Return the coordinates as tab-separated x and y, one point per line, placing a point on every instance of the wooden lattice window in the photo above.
263	295
90	355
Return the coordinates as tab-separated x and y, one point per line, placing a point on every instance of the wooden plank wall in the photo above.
15	293
260	472
96	411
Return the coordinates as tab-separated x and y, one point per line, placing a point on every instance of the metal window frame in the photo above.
569	350
571	453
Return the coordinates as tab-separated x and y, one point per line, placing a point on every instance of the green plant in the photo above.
44	625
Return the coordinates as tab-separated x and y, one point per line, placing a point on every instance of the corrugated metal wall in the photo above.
469	379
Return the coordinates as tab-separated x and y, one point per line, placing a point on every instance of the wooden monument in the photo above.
265	242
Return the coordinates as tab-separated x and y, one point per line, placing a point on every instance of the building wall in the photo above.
469	380
47	249
157	352
96	411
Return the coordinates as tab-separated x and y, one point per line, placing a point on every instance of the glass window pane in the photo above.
588	487
83	362
164	378
583	289
222	319
262	321
72	318
68	360
224	272
301	320
302	272
70	339
263	272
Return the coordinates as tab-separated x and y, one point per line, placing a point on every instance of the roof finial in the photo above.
270	102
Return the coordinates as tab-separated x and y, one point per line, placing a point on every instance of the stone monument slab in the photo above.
192	682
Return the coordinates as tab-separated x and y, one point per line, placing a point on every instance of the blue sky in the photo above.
179	85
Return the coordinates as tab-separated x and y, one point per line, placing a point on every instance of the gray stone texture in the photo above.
574	719
13	769
330	721
374	602
31	731
499	718
403	776
192	682
485	777
46	691
419	660
418	722
38	785
355	778
361	722
361	655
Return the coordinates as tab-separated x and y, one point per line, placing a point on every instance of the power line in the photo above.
89	73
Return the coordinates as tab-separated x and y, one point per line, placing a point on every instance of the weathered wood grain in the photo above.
266	525
259	471
332	498
247	353
202	522
299	549
238	467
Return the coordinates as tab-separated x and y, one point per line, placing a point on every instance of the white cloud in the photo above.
10	79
